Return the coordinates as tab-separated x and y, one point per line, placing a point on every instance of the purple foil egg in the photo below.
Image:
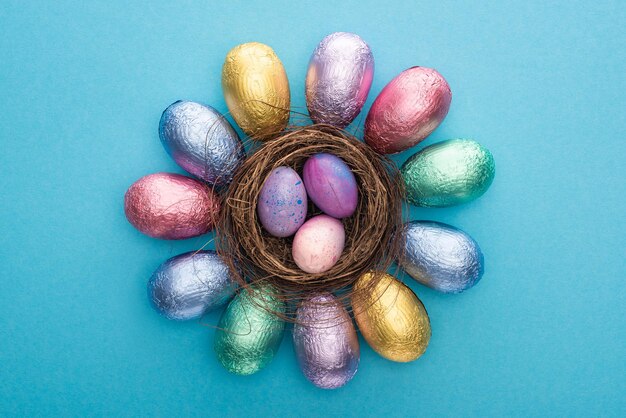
325	342
407	110
282	204
339	78
331	185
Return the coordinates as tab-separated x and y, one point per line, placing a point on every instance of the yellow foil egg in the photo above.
390	317
256	89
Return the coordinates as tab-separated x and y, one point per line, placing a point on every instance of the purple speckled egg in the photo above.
318	244
407	110
282	204
325	341
330	185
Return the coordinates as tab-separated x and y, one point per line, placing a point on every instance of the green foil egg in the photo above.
249	331
448	173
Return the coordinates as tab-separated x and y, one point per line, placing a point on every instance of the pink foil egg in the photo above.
407	110
282	204
171	206
318	244
330	185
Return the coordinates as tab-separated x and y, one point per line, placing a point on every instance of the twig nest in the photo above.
369	232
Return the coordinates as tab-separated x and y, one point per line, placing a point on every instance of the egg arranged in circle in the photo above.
331	185
282	202
318	244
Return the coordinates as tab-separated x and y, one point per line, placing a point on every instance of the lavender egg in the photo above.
407	110
325	342
318	244
282	204
331	185
188	285
441	256
201	141
339	78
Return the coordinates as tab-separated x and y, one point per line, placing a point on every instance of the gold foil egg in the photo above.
256	89
390	317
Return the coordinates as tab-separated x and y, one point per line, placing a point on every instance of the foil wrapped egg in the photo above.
448	173
441	256
282	204
171	206
325	342
256	89
318	244
390	317
201	141
407	110
250	332
188	285
331	185
339	78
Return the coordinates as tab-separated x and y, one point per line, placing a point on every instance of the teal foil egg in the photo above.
250	332
448	173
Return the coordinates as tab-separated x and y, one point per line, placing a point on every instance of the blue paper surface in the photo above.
541	84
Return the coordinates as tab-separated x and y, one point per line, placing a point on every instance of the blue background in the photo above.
83	85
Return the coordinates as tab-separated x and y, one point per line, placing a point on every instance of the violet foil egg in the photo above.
325	342
339	78
318	244
407	110
282	204
171	206
201	141
330	184
441	256
188	285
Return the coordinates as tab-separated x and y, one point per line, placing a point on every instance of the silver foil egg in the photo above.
325	342
441	256
201	141
188	285
339	78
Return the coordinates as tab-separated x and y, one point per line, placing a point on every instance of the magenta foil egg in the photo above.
339	78
171	206
330	184
407	110
325	342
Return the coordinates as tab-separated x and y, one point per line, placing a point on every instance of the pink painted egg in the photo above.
318	244
330	185
407	110
282	204
171	206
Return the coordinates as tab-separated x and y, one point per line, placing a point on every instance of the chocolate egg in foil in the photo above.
407	110
325	342
250	332
448	173
441	256
188	285
201	141
171	206
390	317
339	78
256	89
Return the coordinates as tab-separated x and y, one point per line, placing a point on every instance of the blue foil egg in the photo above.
201	141
441	256
188	285
282	204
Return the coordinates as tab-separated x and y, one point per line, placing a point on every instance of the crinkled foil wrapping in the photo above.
391	318
441	256
325	342
201	141
407	110
256	89
190	284
448	173
249	333
339	78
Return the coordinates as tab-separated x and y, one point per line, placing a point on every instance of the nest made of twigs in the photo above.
370	243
